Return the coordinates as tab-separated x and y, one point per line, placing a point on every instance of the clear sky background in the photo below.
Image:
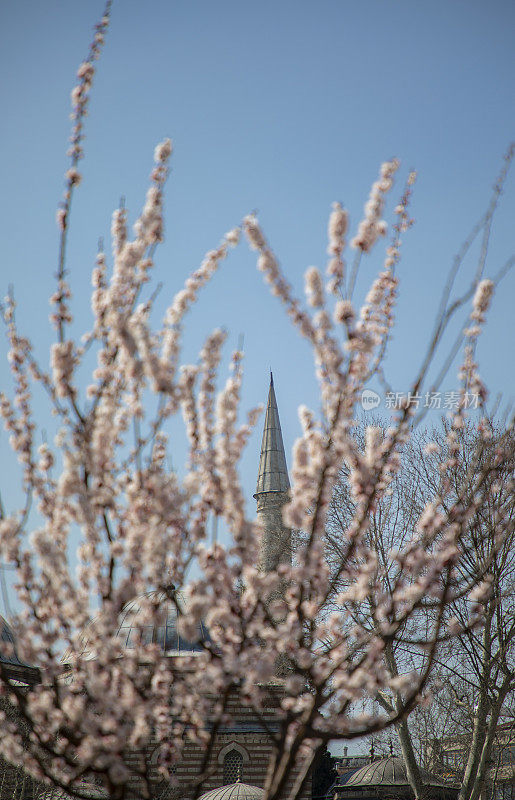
278	106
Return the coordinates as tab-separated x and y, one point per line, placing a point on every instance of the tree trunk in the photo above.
412	768
408	753
479	780
480	729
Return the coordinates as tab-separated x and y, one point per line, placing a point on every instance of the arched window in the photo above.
233	766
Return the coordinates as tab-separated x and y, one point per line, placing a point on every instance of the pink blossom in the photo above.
372	226
314	287
73	176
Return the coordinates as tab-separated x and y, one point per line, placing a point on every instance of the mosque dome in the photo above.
8	653
234	791
13	667
134	630
389	771
164	631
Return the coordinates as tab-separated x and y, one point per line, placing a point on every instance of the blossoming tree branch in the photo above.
106	480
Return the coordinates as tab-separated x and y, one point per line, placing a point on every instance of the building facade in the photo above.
448	756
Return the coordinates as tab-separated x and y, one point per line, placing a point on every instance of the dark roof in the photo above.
346	776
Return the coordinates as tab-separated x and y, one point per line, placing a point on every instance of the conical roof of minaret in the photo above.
273	472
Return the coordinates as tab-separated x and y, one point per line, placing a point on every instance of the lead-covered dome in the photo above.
8	654
134	630
12	666
164	631
389	771
234	791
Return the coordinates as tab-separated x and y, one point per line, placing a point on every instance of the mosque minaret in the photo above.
272	490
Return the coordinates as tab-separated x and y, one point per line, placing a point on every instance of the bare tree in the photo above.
473	677
478	666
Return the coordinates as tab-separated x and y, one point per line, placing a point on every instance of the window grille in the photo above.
233	767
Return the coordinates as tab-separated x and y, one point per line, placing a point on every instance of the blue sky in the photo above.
281	107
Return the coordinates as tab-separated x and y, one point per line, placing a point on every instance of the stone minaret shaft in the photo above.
272	490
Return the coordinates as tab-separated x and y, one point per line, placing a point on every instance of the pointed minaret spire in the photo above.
272	489
273	472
